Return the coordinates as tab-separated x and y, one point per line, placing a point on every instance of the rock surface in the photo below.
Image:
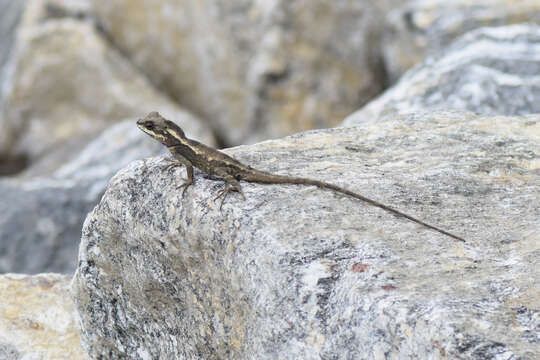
297	272
69	85
255	69
38	319
425	27
41	218
488	71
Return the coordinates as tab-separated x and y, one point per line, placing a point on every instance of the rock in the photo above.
41	218
69	85
40	11
10	14
38	319
253	69
297	272
488	71
78	9
425	27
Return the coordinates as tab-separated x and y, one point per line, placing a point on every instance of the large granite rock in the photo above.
38	319
488	71
297	272
68	85
425	27
255	69
41	217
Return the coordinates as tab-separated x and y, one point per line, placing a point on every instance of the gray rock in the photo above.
78	9
41	218
10	14
40	11
425	27
38	320
488	71
297	272
35	12
253	69
69	85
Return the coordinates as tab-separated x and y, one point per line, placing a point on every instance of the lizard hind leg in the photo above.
187	182
232	185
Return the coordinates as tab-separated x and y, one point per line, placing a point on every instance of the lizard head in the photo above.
161	129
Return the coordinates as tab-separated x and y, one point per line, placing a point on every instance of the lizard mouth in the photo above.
142	128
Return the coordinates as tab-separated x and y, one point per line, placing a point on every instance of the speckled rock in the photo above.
255	69
488	71
297	272
68	85
41	217
425	27
38	319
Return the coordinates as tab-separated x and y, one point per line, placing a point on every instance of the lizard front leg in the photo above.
179	160
232	185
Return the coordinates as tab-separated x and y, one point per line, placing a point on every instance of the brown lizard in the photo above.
192	153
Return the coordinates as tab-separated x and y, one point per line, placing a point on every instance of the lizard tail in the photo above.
276	179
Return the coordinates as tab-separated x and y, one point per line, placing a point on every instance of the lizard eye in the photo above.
149	126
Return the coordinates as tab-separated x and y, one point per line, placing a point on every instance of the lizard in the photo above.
191	153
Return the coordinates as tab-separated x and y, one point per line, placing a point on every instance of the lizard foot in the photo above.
169	167
184	186
224	192
172	164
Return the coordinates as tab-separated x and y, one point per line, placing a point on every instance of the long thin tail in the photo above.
276	179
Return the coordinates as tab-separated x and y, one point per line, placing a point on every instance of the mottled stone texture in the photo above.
488	71
297	272
41	217
38	319
255	69
423	27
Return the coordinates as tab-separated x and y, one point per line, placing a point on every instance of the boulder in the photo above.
38	320
488	71
294	271
253	69
420	28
